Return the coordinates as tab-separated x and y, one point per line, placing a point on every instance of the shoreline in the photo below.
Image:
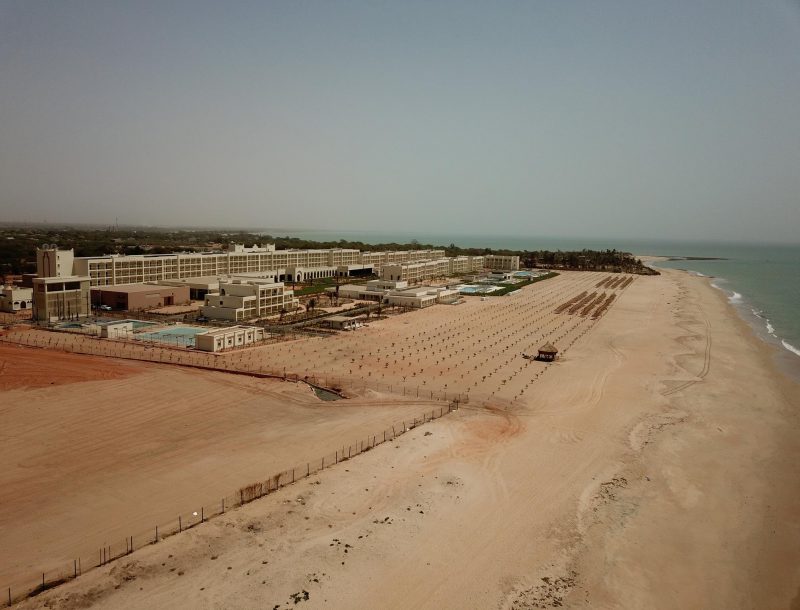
653	466
754	516
786	354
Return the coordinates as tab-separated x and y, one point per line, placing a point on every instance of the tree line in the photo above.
18	247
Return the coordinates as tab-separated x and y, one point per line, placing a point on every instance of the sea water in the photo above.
762	281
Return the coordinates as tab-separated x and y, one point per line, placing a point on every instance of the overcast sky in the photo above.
676	119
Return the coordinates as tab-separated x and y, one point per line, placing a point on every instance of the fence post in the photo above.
180	524
75	568
308	468
292	475
223	506
202	519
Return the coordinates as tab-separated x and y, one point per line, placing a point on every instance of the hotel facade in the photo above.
64	282
287	265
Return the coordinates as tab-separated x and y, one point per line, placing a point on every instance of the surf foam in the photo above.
790	347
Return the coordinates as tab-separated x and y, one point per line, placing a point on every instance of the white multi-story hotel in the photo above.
55	298
287	265
501	262
417	272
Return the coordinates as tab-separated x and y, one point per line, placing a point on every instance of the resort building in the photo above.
286	265
252	277
14	299
500	262
458	265
57	293
418	272
138	297
421	271
240	299
398	293
226	338
116	330
342	322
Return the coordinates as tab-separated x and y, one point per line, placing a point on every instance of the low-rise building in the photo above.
138	297
116	330
341	322
239	300
227	338
14	299
419	297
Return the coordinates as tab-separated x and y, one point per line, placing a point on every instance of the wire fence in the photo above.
135	350
194	516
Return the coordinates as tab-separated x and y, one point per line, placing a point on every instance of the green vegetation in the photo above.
517	286
18	247
614	261
317	287
512	288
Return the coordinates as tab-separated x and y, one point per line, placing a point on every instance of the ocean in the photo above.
761	281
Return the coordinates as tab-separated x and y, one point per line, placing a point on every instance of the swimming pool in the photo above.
70	325
473	289
137	324
176	335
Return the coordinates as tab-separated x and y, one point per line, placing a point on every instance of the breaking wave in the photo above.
790	347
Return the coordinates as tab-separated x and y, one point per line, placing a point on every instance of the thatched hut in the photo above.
547	352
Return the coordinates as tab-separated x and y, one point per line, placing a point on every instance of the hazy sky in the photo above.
677	119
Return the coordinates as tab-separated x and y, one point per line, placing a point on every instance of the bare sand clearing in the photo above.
21	367
654	466
126	446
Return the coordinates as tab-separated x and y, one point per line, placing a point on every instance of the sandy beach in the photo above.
653	466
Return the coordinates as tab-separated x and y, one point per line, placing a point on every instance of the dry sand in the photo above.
113	448
654	466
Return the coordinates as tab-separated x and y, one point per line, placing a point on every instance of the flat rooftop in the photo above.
131	288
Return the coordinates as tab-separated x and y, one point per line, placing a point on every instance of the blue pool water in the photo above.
178	335
137	324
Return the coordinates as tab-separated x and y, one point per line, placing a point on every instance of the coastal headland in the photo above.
654	465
